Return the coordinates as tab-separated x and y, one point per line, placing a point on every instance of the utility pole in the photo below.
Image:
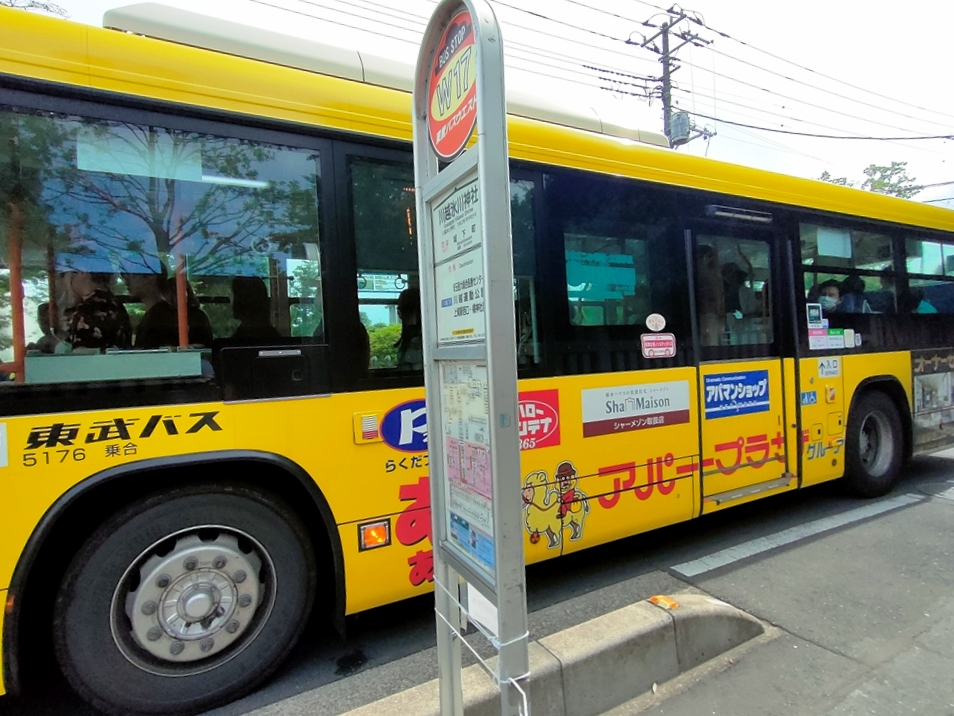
666	81
668	60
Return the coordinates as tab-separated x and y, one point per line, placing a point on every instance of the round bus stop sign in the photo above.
452	88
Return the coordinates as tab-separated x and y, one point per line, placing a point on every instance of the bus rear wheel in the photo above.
874	445
182	602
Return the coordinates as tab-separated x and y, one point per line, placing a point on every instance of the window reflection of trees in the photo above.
120	197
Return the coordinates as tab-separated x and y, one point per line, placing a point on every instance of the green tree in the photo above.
892	180
383	337
840	181
305	284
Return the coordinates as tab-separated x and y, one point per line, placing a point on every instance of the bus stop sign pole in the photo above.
470	365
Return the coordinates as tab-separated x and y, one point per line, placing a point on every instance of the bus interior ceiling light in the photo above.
732	212
234	181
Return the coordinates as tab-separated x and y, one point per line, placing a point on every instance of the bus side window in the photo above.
385	237
524	273
110	210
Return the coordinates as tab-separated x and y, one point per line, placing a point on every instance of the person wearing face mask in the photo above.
829	295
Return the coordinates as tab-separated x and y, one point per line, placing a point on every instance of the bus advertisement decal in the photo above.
539	425
634	407
742	393
404	427
933	373
552	506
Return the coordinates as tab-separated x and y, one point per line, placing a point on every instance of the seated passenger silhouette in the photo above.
96	318
159	326
200	327
48	341
410	346
250	306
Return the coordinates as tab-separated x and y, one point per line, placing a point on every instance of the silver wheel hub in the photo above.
192	602
875	447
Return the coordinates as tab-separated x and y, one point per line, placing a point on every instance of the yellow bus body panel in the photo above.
3	612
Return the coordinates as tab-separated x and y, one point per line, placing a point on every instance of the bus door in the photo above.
744	440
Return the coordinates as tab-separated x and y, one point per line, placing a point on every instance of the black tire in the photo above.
255	603
874	445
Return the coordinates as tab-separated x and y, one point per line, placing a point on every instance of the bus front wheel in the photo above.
874	445
183	601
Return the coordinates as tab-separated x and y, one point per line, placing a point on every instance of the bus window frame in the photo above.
33	97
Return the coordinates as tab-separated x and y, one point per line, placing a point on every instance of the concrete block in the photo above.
706	627
615	657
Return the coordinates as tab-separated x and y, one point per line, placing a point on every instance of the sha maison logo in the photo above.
634	407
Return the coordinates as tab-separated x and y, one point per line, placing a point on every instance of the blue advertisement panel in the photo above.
740	393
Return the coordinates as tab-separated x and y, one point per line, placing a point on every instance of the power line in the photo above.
815	72
823	136
822	89
592	85
795	99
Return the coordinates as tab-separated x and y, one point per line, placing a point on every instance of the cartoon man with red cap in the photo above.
573	505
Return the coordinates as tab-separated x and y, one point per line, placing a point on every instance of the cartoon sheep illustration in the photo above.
542	516
552	507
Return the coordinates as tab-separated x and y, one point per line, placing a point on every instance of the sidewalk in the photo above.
588	668
779	673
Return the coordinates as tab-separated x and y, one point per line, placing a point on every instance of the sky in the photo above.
821	67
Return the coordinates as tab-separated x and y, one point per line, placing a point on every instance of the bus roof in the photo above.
212	33
52	49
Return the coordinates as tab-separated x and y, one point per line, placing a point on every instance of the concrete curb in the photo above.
595	666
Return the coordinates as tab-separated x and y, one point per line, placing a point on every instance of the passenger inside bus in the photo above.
158	327
200	327
913	301
710	295
854	300
251	307
97	320
410	349
829	295
48	342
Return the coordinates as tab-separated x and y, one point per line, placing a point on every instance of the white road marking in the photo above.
793	534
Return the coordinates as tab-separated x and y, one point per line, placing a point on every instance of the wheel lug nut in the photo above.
232	627
219	562
245	600
190	563
176	648
154	634
163	580
149	608
206	645
239	576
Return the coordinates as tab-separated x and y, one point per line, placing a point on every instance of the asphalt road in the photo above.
391	648
859	620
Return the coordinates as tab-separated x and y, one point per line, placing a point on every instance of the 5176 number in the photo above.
50	457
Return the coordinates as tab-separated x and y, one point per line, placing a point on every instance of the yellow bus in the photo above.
212	404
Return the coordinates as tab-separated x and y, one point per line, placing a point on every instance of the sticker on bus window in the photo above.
814	311
829	367
817	339
634	407
658	345
740	393
655	322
